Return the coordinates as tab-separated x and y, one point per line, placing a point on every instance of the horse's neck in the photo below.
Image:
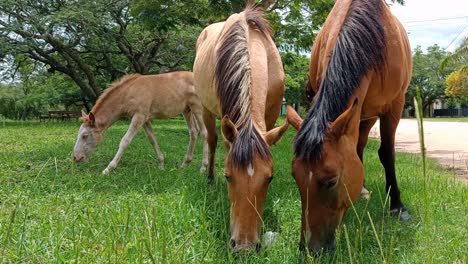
258	93
108	113
258	108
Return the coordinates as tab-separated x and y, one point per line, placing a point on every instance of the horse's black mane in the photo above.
360	47
233	84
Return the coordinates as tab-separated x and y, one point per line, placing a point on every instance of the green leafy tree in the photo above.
91	42
457	81
428	76
296	68
457	84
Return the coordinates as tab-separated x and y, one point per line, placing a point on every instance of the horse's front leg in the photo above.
136	123
388	126
364	129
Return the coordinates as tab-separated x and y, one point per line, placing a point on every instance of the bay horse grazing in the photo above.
360	68
239	77
143	98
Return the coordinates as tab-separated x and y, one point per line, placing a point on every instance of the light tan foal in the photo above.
143	98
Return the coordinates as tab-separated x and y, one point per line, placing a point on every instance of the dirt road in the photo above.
445	141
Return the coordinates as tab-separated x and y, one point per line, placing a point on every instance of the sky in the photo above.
429	22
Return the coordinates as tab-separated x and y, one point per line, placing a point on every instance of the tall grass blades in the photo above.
419	117
52	210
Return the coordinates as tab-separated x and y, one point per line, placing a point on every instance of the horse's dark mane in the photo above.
233	85
360	47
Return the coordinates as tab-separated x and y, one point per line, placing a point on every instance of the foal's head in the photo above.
329	183
248	180
88	138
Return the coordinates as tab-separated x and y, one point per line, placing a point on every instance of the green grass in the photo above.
52	210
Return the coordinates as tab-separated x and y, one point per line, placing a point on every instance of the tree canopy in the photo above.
428	76
457	81
88	44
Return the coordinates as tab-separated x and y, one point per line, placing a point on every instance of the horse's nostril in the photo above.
232	243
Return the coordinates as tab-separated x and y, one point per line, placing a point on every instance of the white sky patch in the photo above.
430	22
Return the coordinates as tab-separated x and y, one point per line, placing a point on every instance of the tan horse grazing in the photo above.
143	98
360	69
239	76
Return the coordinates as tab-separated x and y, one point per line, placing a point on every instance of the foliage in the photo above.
459	57
296	68
457	84
52	210
457	81
428	76
95	42
92	42
36	94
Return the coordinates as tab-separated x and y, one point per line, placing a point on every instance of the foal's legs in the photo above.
136	123
388	125
212	139
193	138
152	139
364	128
199	116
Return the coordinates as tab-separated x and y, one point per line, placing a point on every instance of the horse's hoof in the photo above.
405	216
203	170
161	166
365	194
183	165
402	213
105	171
210	180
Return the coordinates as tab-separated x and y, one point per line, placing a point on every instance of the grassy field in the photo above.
52	210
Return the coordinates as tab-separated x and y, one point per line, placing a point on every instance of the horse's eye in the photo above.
330	184
228	178
84	136
270	179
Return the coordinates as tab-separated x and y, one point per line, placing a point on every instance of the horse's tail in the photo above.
233	79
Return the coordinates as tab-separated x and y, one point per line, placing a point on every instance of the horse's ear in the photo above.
272	136
92	121
83	114
229	129
343	124
293	118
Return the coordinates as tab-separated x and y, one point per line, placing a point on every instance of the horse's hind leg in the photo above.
152	139
212	139
364	128
135	125
198	115
193	137
388	126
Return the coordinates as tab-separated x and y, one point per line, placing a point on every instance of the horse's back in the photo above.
205	61
163	95
383	89
389	89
